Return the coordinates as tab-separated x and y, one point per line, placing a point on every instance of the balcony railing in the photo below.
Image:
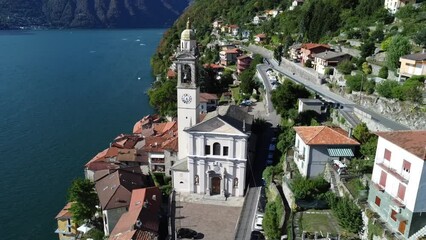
393	172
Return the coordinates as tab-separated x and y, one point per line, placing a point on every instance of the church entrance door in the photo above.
215	185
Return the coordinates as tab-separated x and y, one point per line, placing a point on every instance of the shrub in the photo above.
384	72
386	88
309	188
345	66
348	213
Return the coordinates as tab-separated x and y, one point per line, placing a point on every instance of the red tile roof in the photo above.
323	135
213	66
243	57
171	144
208	96
233	51
126	141
261	35
145	123
114	190
99	161
65	213
143	213
314	45
413	141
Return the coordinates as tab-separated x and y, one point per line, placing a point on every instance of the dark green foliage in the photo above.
286	138
308	189
361	133
95	234
247	77
398	47
348	213
305	118
278	53
210	83
384	72
163	97
355	83
367	139
286	95
367	48
273	212
345	66
308	63
85	199
420	38
386	88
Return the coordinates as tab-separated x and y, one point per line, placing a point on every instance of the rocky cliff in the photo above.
90	13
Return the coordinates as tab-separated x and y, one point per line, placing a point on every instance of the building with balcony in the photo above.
243	62
308	50
229	56
315	146
67	228
397	189
329	59
412	64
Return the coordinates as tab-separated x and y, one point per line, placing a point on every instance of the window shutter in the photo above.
401	191
388	155
383	177
406	165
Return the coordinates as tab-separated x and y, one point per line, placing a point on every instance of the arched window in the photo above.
216	149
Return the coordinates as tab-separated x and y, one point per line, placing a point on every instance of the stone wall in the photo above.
409	114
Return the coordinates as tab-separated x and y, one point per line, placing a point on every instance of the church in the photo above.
213	153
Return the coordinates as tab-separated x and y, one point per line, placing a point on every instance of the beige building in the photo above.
67	228
412	64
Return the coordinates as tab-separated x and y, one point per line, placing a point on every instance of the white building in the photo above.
398	190
393	5
317	145
306	104
212	156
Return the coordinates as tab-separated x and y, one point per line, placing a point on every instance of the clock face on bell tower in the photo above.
186	98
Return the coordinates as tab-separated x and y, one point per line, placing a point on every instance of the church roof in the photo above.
188	34
226	119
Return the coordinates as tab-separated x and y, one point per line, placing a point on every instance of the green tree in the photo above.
367	48
361	133
349	215
163	97
384	72
385	88
398	47
285	96
85	199
345	66
420	38
278	52
412	90
308	63
271	222
368	148
385	44
366	68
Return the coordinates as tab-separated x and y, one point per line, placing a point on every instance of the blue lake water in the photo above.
64	95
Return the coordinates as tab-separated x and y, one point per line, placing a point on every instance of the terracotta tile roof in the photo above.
126	141
165	128
208	96
129	155
145	123
243	57
233	26
323	135
314	45
171	144
233	51
413	141
99	161
135	235
65	213
114	190
143	212
261	35
213	66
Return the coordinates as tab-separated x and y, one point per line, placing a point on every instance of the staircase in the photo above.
418	234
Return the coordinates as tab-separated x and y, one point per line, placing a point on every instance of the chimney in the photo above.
350	133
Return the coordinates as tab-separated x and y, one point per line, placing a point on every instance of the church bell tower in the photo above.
188	92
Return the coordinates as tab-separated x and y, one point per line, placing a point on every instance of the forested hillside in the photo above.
90	13
314	21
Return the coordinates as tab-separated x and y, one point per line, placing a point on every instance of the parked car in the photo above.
256	235
258	223
271	147
186	233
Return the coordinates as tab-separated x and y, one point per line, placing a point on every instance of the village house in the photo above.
142	221
208	102
217	23
258	19
295	4
216	68
412	64
294	52
260	38
67	227
213	153
315	146
272	13
393	5
328	59
243	62
397	192
306	104
308	50
234	29
229	56
114	191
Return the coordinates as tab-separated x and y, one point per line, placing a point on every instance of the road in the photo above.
324	91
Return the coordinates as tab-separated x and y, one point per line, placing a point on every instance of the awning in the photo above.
340	152
84	228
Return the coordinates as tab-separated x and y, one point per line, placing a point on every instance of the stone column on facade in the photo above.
202	175
241	173
208	183
191	144
243	144
233	176
231	148
191	169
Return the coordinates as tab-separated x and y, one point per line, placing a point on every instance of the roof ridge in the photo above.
323	127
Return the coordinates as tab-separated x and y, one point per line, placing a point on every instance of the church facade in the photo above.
212	158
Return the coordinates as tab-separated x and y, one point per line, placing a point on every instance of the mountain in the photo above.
90	13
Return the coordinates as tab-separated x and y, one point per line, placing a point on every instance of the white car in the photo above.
258	223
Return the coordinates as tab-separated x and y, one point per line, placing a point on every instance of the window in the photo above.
225	151
383	177
377	201
406	165
216	149
393	214
207	150
388	155
401	192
